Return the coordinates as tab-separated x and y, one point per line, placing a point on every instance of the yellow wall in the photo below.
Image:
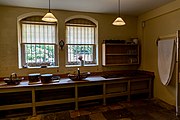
159	22
9	41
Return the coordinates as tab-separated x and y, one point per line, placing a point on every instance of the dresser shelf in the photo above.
120	54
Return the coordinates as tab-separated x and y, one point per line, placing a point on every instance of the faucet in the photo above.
82	62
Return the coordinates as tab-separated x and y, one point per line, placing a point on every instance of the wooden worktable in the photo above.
68	91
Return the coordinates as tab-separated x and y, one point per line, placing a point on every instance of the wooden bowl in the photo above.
82	76
15	81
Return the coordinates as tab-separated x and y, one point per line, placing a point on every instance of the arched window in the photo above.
38	42
81	35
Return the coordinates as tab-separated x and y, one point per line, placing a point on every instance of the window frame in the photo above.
95	45
22	45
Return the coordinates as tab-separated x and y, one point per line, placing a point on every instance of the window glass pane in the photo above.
36	54
75	51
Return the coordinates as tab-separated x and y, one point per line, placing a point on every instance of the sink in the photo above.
120	75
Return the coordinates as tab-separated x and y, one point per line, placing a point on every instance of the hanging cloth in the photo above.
166	60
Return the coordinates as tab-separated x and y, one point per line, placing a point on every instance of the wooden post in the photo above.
177	76
33	102
76	97
104	93
129	90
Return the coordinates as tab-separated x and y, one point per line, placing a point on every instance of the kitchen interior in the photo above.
118	63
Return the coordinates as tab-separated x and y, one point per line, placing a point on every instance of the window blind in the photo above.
80	35
38	33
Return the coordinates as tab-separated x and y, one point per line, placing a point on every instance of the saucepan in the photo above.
44	78
35	77
48	78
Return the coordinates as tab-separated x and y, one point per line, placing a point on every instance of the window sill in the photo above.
92	65
40	67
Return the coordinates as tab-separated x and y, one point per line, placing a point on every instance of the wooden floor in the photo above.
134	110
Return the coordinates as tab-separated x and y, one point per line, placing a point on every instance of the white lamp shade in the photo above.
49	17
119	21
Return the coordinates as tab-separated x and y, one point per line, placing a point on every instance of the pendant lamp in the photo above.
119	21
49	17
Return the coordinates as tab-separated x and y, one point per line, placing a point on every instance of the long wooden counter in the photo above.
75	92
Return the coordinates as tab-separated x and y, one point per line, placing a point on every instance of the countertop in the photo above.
64	81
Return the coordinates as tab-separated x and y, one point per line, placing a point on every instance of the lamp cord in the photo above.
49	6
119	7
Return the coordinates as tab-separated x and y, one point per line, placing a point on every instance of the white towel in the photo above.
166	60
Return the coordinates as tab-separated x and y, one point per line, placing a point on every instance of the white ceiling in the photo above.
128	7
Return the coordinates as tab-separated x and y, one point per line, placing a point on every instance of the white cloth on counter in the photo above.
166	60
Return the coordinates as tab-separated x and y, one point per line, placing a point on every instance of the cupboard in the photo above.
114	53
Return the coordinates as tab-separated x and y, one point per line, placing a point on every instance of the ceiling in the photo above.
127	7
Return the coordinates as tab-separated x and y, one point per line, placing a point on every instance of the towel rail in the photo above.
165	37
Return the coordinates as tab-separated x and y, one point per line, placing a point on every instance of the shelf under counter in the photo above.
92	88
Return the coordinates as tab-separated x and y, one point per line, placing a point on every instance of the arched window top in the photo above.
33	18
80	22
81	18
29	15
